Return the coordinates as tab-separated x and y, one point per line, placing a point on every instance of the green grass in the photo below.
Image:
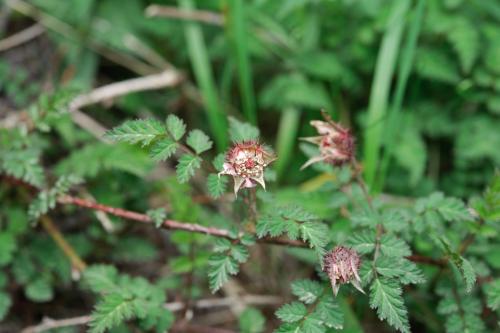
237	33
405	66
286	138
202	70
377	109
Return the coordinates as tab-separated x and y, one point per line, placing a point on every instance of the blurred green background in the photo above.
417	81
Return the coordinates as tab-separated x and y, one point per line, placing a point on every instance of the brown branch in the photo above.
68	250
177	225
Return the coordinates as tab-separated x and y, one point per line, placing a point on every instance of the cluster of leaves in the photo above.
315	312
124	298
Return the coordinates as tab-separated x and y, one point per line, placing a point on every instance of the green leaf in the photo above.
163	149
5	303
45	201
216	185
252	321
7	248
291	312
394	247
222	245
452	209
240	131
220	267
385	296
142	131
316	234
158	215
176	127
465	38
307	291
469	274
493	294
329	312
39	290
24	164
111	311
187	166
270	224
218	161
362	242
239	253
199	141
405	270
101	278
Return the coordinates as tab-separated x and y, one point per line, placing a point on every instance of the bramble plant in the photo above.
167	168
388	252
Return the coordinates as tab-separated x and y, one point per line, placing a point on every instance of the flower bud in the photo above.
246	162
342	265
336	144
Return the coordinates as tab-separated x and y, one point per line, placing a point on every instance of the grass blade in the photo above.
286	138
204	77
237	31
386	61
405	66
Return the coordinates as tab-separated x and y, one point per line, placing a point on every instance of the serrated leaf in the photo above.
239	131
216	185
163	149
222	245
452	209
307	291
220	268
45	201
291	312
101	278
187	166
110	312
199	141
270	224
142	131
158	215
218	161
363	242
394	247
39	290
329	312
469	274
493	294
24	164
176	127
316	234
239	253
406	271
385	296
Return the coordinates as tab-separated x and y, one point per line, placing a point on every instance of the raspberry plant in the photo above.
388	251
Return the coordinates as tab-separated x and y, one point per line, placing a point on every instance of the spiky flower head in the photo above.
342	265
246	162
336	144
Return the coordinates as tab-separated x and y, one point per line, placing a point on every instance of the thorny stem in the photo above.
177	225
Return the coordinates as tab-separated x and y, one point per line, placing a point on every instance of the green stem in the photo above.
201	66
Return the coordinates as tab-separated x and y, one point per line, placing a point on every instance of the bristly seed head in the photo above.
246	162
336	144
342	265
